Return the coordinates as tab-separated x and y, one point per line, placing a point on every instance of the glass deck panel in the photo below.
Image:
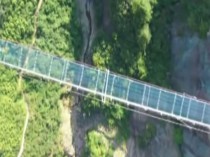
120	87
110	85
57	67
196	110
136	92
206	118
23	56
42	63
166	101
185	107
177	105
153	97
31	59
101	81
73	73
146	93
13	54
89	78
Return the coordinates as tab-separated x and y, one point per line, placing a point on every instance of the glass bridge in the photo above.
106	84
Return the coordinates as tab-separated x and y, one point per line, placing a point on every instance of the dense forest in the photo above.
56	30
135	42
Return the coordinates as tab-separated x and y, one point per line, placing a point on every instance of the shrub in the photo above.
97	145
178	135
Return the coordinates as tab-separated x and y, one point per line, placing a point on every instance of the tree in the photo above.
197	15
56	29
12	114
97	145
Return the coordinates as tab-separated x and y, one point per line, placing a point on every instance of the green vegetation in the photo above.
136	43
57	31
158	50
17	20
97	145
115	115
128	41
178	135
140	39
43	128
197	15
12	114
12	106
149	133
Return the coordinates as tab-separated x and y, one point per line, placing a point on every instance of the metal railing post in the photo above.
36	56
128	91
98	72
51	60
174	103
148	96
80	81
66	68
158	102
188	110
203	114
143	94
106	85
112	84
20	58
180	114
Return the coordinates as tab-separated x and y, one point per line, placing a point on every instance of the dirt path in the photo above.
25	127
20	81
33	40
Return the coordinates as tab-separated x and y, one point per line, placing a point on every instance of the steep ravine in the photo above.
89	18
190	74
79	125
162	145
86	16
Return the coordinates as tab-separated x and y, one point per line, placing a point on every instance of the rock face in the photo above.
160	146
89	30
163	145
191	63
191	74
194	146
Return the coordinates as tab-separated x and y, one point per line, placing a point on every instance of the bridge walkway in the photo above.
107	84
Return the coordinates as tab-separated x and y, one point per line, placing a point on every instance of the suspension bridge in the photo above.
106	84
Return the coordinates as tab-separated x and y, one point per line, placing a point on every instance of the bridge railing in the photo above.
107	84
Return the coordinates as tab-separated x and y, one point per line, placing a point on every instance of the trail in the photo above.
24	129
20	80
33	39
